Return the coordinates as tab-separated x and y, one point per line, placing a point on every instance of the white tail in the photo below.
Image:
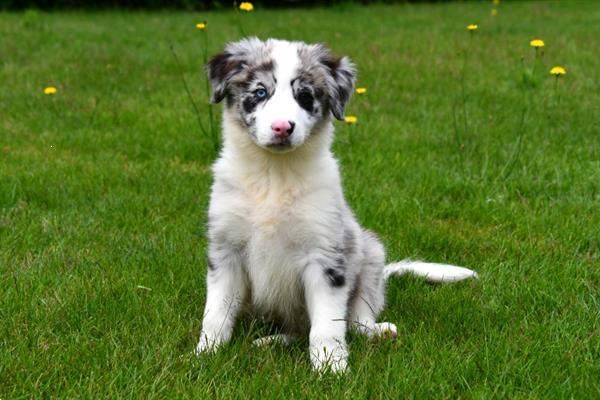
430	271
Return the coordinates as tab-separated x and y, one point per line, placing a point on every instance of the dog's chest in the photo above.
283	229
279	226
276	258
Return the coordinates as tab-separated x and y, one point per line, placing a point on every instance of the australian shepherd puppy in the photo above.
282	240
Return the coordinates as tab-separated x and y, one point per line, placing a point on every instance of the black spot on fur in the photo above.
331	62
249	104
211	266
319	93
306	100
336	277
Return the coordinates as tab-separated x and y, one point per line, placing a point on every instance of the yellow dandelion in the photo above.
351	119
201	26
472	27
537	43
246	6
361	90
558	71
494	12
50	90
495	2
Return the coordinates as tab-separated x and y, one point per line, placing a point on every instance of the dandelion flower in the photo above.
246	6
472	27
494	12
495	2
50	90
558	71
537	43
361	90
201	26
351	119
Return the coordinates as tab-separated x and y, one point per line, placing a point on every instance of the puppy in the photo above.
282	239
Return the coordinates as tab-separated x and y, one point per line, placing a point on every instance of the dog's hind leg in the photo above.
368	297
362	320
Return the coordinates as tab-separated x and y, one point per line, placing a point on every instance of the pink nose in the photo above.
282	128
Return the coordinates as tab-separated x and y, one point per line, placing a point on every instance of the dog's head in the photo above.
281	91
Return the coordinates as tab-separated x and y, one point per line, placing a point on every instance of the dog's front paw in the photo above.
207	344
329	355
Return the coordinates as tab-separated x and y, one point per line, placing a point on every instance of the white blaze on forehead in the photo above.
287	62
282	105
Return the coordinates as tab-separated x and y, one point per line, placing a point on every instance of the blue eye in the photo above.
260	93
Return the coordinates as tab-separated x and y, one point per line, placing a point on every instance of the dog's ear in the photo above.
221	68
343	76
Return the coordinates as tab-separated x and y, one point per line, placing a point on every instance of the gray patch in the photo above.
334	76
349	242
233	65
238	73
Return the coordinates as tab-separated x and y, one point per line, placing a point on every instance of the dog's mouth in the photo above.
280	144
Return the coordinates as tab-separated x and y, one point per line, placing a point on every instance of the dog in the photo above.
283	241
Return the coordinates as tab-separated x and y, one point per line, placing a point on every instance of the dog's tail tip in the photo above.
432	272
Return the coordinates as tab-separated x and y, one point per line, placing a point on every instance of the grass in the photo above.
104	187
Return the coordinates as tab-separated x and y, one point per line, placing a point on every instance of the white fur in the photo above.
277	222
282	105
430	271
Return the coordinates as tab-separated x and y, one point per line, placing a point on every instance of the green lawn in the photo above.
104	189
